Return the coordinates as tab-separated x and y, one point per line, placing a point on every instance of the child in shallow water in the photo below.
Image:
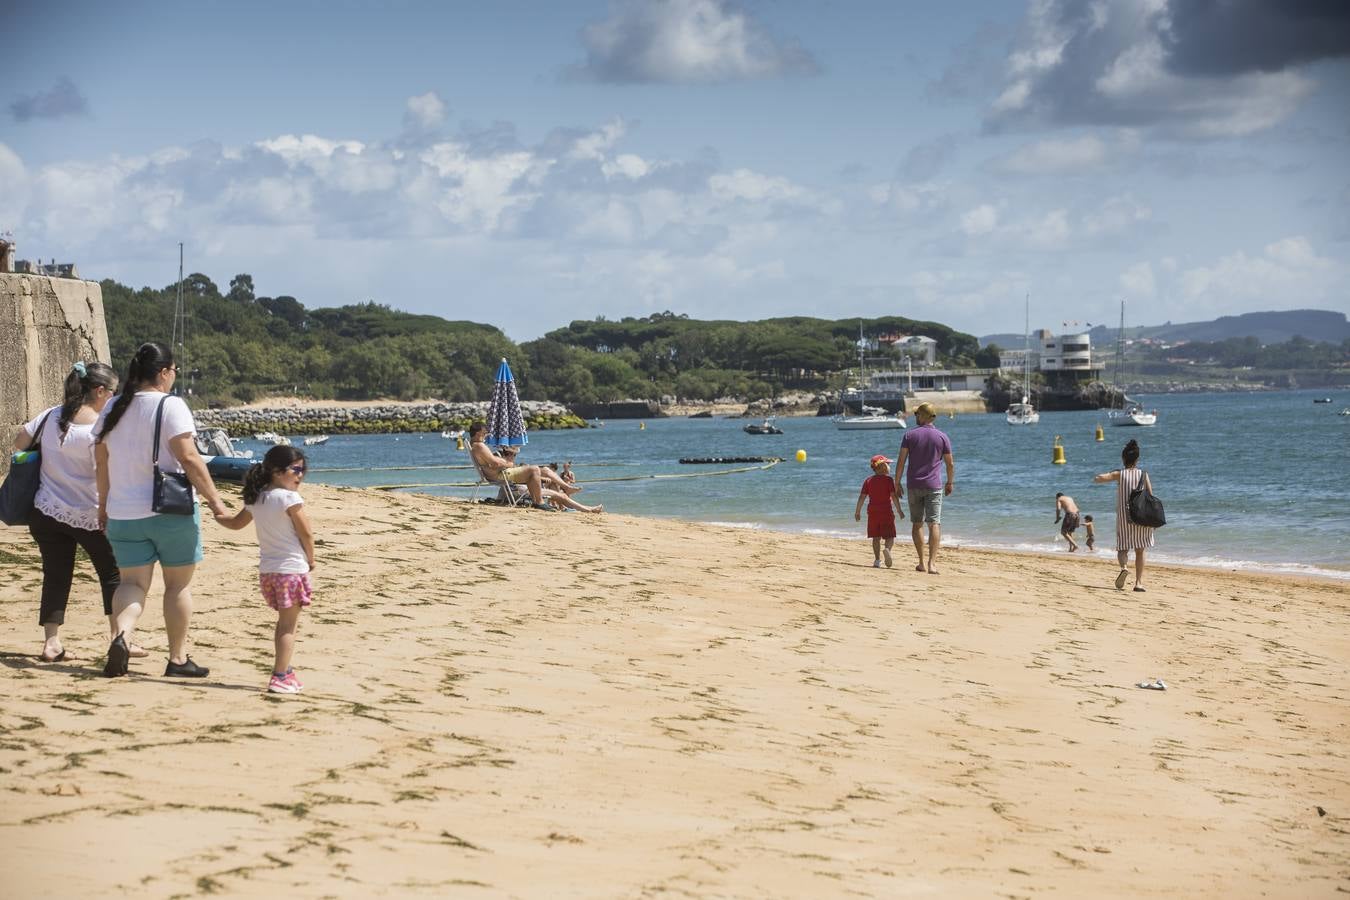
273	503
1091	531
879	491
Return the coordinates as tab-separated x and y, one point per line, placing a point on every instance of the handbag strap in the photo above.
37	435
159	414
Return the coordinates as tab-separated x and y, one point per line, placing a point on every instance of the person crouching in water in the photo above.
273	503
879	491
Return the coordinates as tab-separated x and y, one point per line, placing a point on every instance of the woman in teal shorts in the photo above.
140	537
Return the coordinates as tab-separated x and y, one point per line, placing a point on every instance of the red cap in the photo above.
879	458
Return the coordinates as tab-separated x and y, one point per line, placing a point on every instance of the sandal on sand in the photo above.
1122	578
1139	590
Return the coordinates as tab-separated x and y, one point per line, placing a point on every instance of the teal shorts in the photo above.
170	540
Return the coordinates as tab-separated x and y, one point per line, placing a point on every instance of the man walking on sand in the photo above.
923	448
1064	505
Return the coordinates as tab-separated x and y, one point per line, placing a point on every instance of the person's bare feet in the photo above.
920	568
932	571
597	508
136	651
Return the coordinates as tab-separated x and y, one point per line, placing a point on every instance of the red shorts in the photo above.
880	526
284	591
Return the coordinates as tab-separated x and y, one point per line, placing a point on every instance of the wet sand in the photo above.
510	703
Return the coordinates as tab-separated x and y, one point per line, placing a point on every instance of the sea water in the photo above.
1250	481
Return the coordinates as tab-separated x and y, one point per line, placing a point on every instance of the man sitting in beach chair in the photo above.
495	468
512	494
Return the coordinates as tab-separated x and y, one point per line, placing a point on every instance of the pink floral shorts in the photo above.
285	591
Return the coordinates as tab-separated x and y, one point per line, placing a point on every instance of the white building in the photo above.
1064	352
918	348
1015	360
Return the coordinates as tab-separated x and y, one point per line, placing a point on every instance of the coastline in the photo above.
684	707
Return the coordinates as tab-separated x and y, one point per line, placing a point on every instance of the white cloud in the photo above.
1287	274
1137	280
1089	62
307	148
686	41
981	220
1070	156
14	196
425	111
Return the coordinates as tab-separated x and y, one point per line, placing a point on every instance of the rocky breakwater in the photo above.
389	418
1000	392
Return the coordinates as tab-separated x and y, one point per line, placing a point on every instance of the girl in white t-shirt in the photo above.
285	549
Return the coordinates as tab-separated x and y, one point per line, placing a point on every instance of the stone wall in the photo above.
374	419
45	325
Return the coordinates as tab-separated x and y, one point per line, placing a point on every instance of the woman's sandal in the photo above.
60	657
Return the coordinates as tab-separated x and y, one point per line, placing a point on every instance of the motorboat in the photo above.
765	427
1322	400
452	434
872	418
267	437
1024	413
316	440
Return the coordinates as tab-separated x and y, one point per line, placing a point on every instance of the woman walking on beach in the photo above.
1129	536
65	513
285	550
125	454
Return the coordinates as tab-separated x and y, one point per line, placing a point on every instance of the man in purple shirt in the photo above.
923	448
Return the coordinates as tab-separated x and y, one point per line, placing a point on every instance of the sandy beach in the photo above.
507	703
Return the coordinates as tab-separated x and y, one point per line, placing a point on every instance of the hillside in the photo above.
1273	327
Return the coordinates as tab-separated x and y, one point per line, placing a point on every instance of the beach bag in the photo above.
1144	508
173	492
20	487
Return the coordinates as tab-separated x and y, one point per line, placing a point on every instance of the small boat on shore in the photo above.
316	440
765	427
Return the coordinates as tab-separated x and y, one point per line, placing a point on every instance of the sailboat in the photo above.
872	418
1024	413
1131	411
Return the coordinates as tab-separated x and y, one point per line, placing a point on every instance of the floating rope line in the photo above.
468	484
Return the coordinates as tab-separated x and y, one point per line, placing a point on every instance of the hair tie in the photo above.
80	370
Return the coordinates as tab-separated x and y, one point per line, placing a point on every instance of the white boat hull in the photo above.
1023	414
867	423
1132	418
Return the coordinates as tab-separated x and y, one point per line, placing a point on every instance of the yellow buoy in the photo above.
1100	435
1059	459
801	456
642	426
459	443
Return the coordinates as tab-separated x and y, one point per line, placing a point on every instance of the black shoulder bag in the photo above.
1144	508
173	492
20	487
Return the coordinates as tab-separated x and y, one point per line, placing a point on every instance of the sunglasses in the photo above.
298	470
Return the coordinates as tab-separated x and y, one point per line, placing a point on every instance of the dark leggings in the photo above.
57	542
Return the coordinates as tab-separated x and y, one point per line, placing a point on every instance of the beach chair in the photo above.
506	490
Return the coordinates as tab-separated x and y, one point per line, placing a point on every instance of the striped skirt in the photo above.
1130	536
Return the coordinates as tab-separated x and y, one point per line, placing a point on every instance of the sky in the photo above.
525	164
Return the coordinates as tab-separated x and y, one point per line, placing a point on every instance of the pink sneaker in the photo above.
295	680
286	685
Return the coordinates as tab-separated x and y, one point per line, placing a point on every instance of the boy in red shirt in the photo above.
879	490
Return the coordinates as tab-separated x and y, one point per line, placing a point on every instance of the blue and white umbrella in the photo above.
505	423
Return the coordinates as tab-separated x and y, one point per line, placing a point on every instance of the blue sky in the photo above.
526	164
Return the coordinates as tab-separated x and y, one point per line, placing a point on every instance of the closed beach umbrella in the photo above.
505	423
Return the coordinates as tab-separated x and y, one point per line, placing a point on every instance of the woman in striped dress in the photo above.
1129	536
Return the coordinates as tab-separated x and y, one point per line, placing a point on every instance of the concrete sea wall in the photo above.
45	325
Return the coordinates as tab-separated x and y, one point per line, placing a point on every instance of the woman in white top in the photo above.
124	451
65	514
